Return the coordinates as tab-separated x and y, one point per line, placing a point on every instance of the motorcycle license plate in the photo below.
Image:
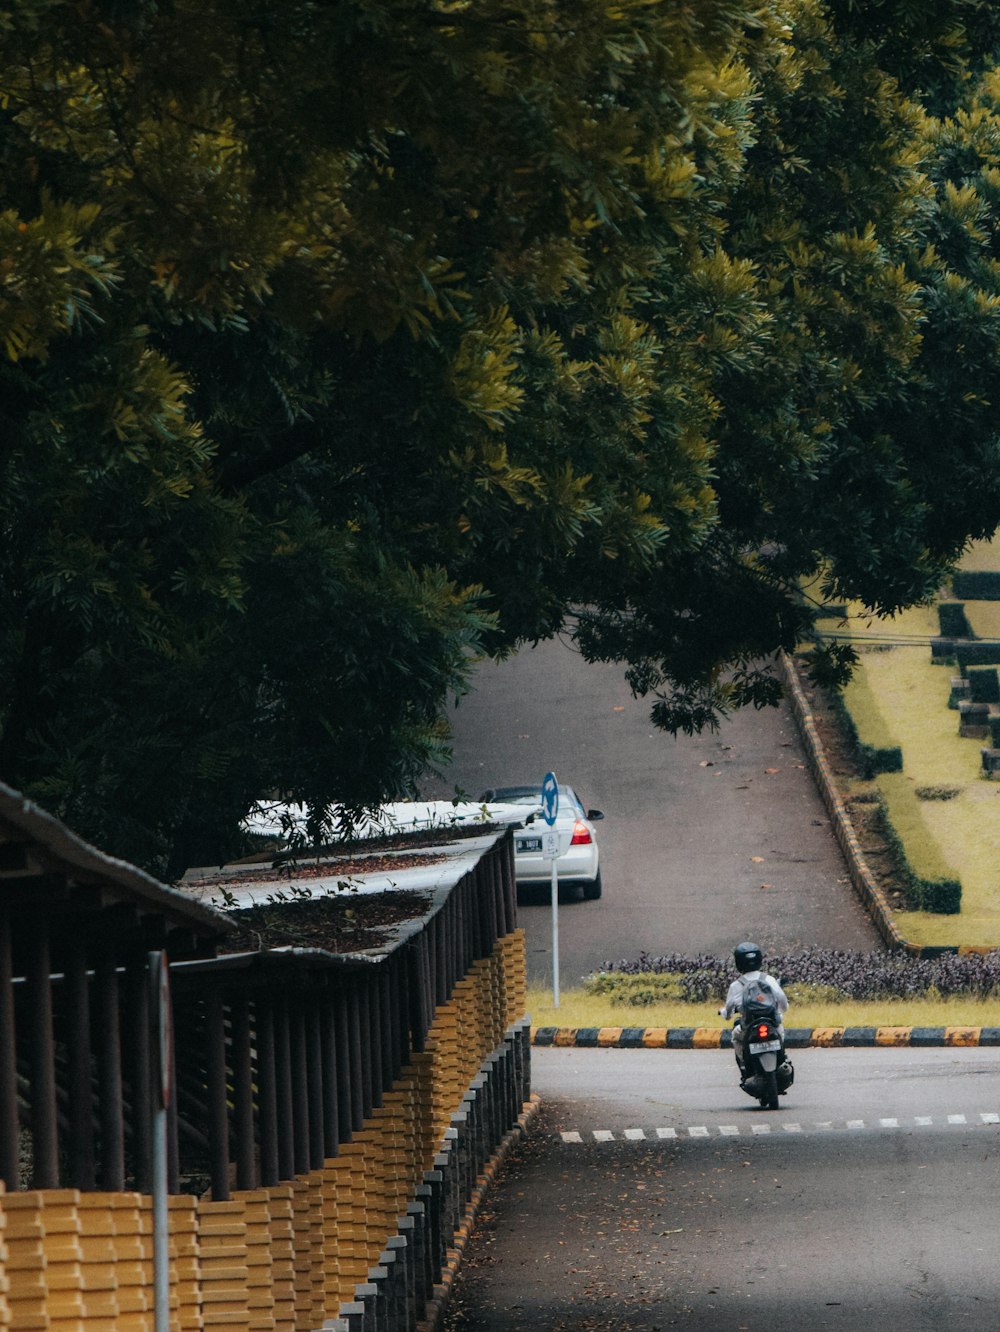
761	1047
529	844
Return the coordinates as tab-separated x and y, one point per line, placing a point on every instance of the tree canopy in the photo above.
343	343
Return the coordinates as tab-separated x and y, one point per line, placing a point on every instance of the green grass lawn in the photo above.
580	1009
899	693
982	556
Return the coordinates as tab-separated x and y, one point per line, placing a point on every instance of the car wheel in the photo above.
592	891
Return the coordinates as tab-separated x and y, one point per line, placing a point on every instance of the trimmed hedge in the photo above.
951	618
976	585
984	684
981	653
870	759
929	885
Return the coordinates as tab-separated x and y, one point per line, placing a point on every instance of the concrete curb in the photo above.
442	1292
796	1038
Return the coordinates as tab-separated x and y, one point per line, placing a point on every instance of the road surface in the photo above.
706	839
655	1195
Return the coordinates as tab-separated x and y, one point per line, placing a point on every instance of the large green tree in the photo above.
344	342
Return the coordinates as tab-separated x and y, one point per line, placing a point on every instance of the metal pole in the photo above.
160	1099
555	934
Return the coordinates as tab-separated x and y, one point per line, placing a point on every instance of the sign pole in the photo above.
555	934
550	808
160	1021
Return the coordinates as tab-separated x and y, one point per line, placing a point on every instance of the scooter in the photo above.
766	1073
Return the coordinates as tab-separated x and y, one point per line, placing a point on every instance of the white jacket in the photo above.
734	999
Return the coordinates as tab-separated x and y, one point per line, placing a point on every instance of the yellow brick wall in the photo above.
279	1259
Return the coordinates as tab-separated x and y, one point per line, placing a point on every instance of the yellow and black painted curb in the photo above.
453	1259
796	1038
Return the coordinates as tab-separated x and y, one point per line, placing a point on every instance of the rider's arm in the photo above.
734	999
780	995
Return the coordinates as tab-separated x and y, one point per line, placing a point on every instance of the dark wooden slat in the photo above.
314	1076
246	1165
365	1037
9	1130
300	1086
283	1088
82	1153
345	1090
331	1088
357	1079
267	1091
44	1126
138	1066
107	1012
218	1115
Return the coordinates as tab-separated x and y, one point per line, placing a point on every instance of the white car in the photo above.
579	860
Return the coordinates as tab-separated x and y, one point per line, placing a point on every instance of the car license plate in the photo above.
529	844
761	1047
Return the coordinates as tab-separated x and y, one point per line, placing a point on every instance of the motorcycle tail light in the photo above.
581	834
762	1031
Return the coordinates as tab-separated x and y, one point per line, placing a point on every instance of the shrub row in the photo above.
851	975
981	653
951	618
927	881
870	759
984	684
976	585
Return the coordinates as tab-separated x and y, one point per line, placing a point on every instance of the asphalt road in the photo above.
706	839
655	1195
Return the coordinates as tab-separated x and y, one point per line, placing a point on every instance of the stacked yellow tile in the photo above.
352	1246
303	1255
328	1221
25	1239
222	1234
282	1255
418	1077
4	1283
132	1219
322	1249
260	1295
515	974
60	1223
185	1291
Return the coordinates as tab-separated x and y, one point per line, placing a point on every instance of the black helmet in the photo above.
748	957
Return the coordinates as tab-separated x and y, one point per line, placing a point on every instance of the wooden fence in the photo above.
327	1111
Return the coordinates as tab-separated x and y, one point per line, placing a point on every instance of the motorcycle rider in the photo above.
750	963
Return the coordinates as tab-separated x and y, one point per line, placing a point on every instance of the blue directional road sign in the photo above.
550	798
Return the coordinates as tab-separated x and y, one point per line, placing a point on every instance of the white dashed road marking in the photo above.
575	1136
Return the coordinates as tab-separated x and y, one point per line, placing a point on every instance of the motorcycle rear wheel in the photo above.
770	1098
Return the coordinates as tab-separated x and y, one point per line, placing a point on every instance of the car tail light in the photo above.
581	834
763	1031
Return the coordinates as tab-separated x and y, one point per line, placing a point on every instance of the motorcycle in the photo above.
766	1072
